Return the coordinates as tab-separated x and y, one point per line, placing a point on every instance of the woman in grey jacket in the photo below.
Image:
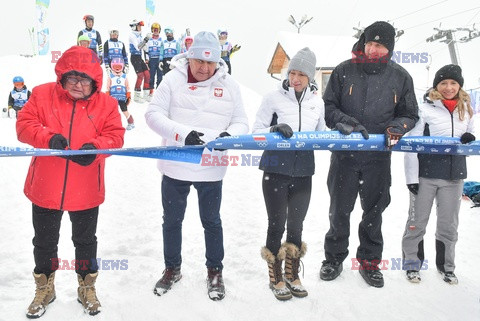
287	179
445	112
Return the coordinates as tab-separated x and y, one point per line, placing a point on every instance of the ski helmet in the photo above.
18	79
168	30
156	25
136	23
117	64
88	17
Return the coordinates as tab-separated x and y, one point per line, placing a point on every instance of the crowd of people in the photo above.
193	99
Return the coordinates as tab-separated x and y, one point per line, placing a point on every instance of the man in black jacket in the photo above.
367	94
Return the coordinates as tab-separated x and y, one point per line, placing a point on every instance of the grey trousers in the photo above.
448	194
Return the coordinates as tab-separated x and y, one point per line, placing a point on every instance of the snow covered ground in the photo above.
130	229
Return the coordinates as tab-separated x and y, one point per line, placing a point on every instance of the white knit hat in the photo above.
304	61
205	47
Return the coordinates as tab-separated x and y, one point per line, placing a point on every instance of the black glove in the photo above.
413	188
392	136
193	138
222	134
467	138
283	129
58	142
347	129
86	159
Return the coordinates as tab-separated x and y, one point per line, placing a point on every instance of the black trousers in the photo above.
287	199
349	176
46	223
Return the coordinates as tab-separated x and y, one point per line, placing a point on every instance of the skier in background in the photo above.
154	55
115	48
187	42
227	48
118	88
137	46
17	97
94	35
84	41
171	47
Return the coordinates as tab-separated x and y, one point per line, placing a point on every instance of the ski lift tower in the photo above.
448	35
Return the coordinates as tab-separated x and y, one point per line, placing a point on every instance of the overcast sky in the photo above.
254	25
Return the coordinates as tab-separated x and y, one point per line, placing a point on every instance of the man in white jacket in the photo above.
196	102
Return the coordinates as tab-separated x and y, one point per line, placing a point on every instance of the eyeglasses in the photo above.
83	81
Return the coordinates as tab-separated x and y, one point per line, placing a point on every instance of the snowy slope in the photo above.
130	229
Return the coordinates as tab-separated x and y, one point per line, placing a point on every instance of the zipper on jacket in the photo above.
300	109
350	90
394	96
68	161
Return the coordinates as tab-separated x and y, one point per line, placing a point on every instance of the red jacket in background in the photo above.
55	182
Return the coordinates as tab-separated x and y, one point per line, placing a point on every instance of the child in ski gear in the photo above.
227	48
368	95
137	45
196	102
71	113
118	88
446	111
155	55
115	48
187	43
287	178
171	47
94	35
17	97
84	41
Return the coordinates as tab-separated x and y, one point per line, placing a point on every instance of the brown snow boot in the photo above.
44	295
87	295
277	285
292	267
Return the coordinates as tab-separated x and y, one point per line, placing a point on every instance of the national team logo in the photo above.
218	92
192	87
206	54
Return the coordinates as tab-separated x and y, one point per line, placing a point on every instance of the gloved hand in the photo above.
467	138
125	69
235	48
100	57
147	37
108	69
283	129
193	138
413	188
392	136
347	129
57	142
222	134
129	97
84	160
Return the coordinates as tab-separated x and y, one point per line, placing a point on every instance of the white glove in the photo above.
125	69
107	69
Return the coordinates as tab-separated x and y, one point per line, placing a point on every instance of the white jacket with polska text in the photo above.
211	107
436	120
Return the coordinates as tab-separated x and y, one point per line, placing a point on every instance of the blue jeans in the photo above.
174	200
153	66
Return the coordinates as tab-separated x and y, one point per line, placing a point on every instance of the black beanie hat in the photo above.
381	32
448	72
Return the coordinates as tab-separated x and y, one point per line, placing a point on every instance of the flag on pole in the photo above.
42	34
150	7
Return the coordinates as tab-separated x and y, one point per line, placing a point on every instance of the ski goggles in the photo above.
223	33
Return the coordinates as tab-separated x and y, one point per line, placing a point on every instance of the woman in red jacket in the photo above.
71	113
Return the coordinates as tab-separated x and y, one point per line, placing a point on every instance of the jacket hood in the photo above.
80	59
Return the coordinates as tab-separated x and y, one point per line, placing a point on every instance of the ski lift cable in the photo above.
408	14
422	24
474	16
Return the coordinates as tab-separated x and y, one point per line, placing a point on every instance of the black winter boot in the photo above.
170	277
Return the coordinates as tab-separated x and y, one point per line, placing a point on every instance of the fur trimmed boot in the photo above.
87	294
277	285
292	267
44	295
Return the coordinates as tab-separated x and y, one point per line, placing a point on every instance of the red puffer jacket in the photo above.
55	182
